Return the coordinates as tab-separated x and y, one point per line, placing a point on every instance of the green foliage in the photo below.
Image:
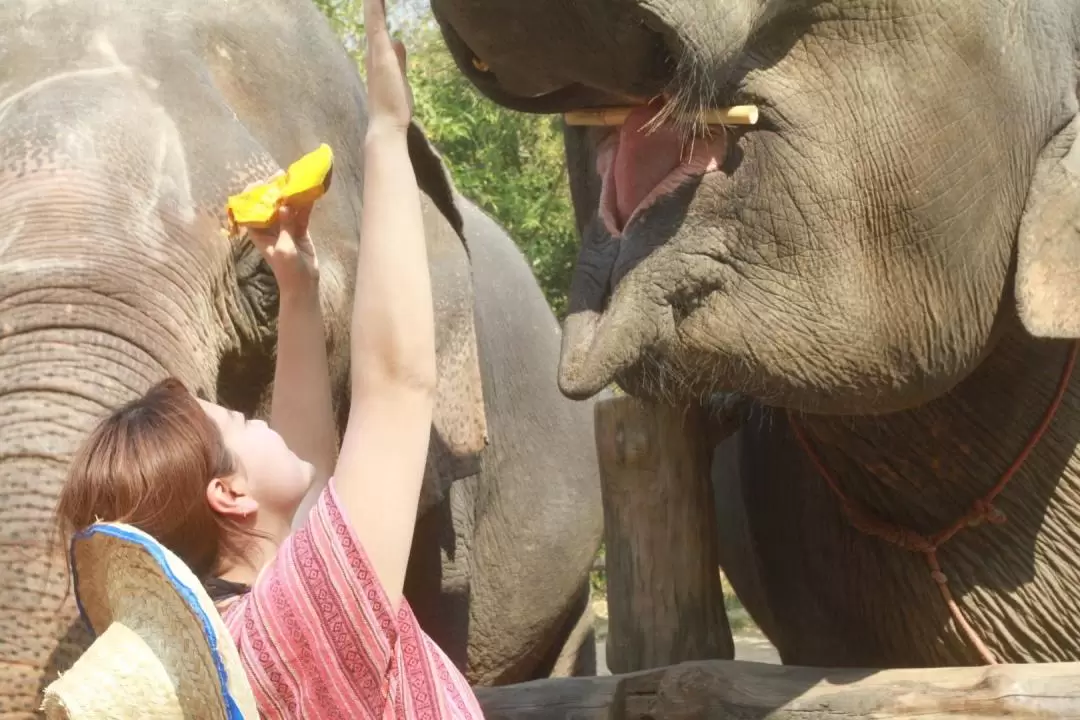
598	577
511	164
347	19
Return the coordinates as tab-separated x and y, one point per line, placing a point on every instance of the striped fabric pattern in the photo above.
318	637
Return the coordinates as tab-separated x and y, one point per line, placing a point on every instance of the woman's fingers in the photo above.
375	22
379	42
403	62
295	219
264	236
375	13
290	227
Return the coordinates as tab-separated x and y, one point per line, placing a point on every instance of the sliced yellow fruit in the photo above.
304	182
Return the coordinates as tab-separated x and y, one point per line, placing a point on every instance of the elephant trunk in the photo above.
39	430
706	41
57	379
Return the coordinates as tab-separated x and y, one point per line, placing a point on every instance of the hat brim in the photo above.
102	550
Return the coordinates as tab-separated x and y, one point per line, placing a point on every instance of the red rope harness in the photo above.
982	510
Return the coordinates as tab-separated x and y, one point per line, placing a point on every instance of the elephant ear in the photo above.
1048	248
433	177
459	426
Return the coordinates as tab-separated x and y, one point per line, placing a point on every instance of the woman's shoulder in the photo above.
329	539
319	578
317	633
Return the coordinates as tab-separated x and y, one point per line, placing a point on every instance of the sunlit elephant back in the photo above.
123	128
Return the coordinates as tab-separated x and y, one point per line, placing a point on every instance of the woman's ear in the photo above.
229	497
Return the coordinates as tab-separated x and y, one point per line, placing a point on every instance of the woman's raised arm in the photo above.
381	464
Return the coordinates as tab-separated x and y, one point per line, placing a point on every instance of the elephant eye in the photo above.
258	291
480	65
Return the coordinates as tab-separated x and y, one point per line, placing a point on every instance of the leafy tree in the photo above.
511	164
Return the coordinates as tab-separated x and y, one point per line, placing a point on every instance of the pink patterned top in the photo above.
318	639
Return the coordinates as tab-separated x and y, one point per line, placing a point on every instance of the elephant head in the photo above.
911	184
123	129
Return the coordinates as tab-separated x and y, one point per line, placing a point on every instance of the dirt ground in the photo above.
750	644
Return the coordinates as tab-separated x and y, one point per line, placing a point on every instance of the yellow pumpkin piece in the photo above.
255	207
305	181
308	178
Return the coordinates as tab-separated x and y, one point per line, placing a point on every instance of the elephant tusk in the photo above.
611	116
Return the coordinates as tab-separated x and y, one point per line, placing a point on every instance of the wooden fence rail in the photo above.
732	690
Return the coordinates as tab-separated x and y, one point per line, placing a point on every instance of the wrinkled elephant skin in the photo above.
123	128
893	243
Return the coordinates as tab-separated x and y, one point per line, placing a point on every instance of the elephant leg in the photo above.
438	581
737	553
576	655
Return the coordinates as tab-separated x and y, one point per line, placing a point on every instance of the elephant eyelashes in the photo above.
480	65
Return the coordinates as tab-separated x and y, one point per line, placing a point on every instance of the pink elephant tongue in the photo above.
641	163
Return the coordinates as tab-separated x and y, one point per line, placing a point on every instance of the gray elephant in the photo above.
123	128
885	266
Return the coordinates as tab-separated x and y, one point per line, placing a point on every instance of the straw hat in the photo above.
162	651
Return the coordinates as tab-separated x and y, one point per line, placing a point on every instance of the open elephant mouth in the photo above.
644	160
651	195
627	307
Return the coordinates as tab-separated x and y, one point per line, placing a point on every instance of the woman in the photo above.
317	615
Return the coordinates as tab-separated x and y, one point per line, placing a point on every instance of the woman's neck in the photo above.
258	553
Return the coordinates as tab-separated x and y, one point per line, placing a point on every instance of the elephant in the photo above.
878	278
123	129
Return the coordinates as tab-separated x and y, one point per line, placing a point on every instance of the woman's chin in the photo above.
305	484
309	476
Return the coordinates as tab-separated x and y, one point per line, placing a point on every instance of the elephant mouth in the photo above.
644	160
615	329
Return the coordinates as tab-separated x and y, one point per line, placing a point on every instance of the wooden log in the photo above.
733	690
665	603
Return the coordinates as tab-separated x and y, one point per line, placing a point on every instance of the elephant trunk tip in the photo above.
595	349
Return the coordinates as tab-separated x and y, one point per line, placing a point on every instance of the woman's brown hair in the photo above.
148	464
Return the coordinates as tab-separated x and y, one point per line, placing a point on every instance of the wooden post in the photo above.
665	603
725	689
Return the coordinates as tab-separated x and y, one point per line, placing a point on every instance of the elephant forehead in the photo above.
87	107
108	136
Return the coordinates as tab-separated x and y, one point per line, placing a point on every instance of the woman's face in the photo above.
275	477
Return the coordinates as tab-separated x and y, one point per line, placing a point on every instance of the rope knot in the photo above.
986	510
939	577
911	541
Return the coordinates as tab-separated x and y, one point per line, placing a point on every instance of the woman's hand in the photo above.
288	250
389	95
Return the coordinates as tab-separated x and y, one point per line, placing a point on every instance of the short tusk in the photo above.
611	116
